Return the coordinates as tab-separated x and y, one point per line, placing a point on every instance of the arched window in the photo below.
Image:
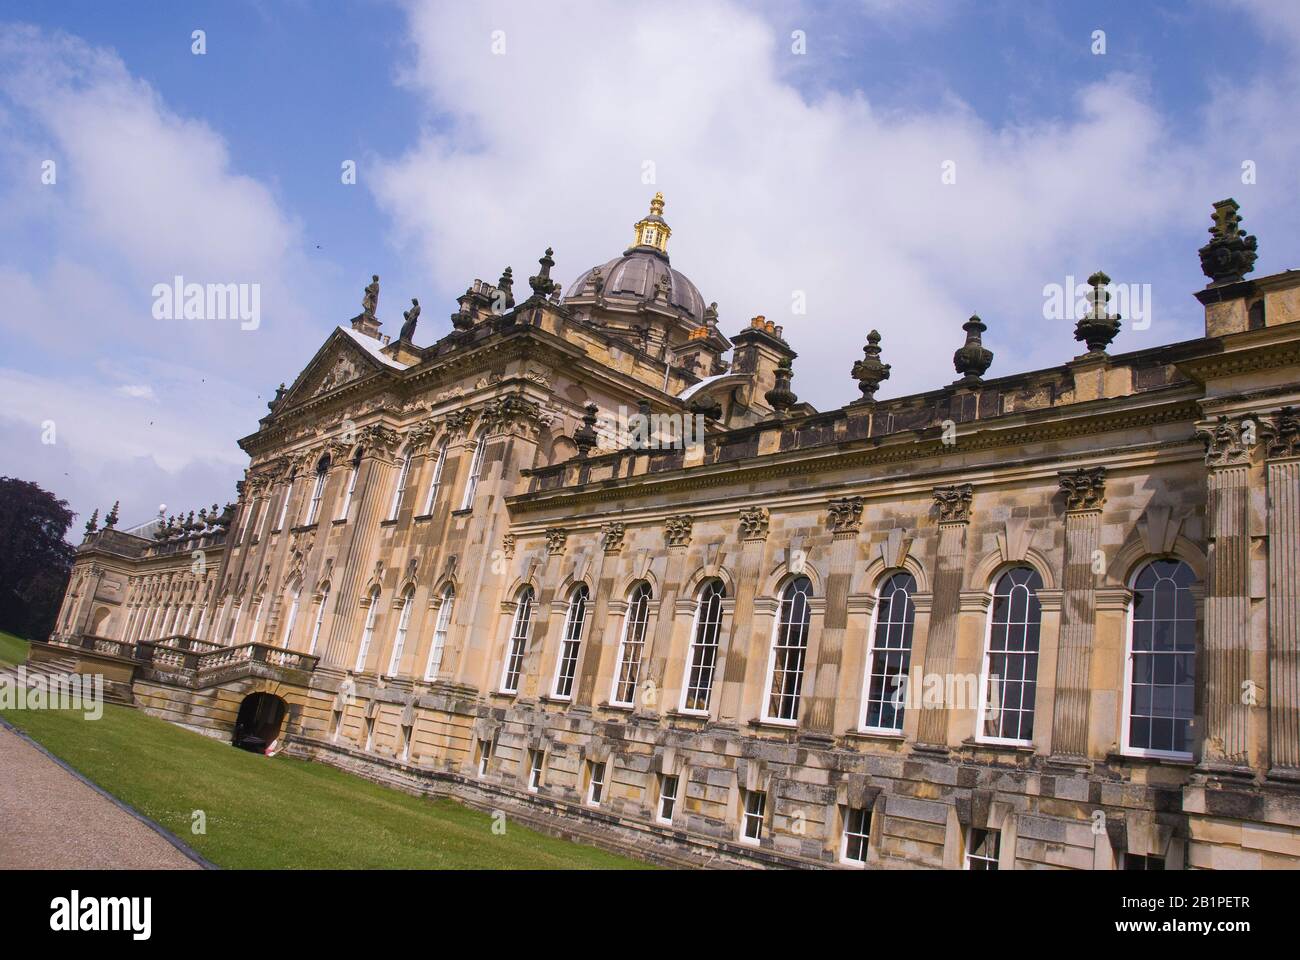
250	513
789	648
402	474
890	655
318	488
523	622
574	620
475	469
257	620
291	619
435	481
1010	672
440	629
702	657
368	632
284	504
403	625
1161	671
320	618
632	645
352	485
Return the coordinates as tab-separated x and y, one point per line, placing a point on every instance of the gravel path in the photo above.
50	820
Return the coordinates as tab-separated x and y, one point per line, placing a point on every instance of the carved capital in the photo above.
954	502
1084	488
677	530
754	522
611	536
379	438
844	515
1281	433
513	413
1228	440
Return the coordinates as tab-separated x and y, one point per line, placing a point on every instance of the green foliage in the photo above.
35	561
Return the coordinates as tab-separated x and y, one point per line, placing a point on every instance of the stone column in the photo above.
1084	491
1226	661
588	668
378	442
941	646
654	658
845	520
754	522
1283	478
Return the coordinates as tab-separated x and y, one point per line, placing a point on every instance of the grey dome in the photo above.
634	277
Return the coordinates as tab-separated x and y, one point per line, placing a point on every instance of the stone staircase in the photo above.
50	669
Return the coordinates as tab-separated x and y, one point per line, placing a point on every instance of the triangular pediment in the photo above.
339	362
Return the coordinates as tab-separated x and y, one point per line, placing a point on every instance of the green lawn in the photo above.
283	813
13	650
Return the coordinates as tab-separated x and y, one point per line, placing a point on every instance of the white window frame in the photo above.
536	770
284	505
257	620
787	603
399	635
969	843
710	592
667	796
521	625
575	621
627	669
403	474
475	468
484	756
749	817
320	618
595	784
441	628
317	490
251	509
868	672
352	486
981	715
1125	729
435	479
234	623
863	833
368	632
290	620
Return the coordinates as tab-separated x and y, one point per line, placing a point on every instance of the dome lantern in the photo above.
652	230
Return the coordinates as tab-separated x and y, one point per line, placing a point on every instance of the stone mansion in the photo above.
587	559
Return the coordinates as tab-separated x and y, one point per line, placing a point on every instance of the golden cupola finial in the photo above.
652	230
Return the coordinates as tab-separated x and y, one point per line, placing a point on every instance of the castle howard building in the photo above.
589	560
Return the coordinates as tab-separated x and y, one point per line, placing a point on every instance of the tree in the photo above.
35	560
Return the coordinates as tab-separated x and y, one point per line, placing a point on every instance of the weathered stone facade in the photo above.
464	580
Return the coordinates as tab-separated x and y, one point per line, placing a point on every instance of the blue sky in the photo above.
816	173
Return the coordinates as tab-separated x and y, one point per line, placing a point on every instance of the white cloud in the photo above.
139	391
770	192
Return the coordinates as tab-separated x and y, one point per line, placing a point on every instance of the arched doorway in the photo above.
257	727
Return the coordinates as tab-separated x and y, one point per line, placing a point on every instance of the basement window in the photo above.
596	784
667	798
536	758
751	824
857	828
982	848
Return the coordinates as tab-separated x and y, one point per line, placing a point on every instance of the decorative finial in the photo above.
280	391
542	283
1098	328
781	398
584	438
507	286
974	358
652	230
93	523
1230	254
711	315
869	371
110	521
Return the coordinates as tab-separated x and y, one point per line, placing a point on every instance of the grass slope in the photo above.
13	650
284	813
